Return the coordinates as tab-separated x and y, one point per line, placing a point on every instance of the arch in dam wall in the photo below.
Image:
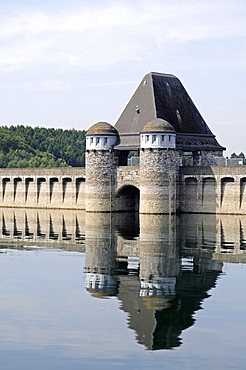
191	193
79	185
209	200
243	193
127	198
227	191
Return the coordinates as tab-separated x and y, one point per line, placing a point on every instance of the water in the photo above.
99	291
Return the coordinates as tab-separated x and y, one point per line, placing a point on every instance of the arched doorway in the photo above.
127	199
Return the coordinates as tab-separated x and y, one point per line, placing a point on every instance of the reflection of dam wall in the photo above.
220	237
217	237
231	239
29	226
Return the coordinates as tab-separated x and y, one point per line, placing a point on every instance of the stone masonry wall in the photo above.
127	194
101	175
158	171
207	158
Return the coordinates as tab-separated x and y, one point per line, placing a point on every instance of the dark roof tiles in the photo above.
163	96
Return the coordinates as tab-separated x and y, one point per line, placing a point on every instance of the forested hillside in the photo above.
24	146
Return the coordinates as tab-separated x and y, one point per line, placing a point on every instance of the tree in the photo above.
22	146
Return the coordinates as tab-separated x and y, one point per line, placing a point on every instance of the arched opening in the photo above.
242	190
128	199
191	194
227	190
5	181
53	181
209	194
80	182
40	181
28	182
17	181
65	187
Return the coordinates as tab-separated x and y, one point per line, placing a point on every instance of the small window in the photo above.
146	138
153	138
91	140
170	137
162	138
105	140
97	140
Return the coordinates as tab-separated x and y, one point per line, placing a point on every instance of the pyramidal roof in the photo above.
163	96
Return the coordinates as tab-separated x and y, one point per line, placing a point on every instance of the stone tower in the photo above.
159	165
161	123
101	167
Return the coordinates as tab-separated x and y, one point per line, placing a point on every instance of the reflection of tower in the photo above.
161	301
155	289
159	262
162	304
100	260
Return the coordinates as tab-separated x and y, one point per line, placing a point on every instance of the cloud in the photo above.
110	33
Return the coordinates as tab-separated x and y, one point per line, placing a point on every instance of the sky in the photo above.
71	64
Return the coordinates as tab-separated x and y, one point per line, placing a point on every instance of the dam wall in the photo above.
61	188
199	189
212	189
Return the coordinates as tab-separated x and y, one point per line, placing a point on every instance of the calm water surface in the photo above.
95	291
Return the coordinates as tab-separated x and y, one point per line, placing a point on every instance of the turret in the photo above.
159	164
158	134
101	136
101	167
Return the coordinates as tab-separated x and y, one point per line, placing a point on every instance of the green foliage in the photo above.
133	153
23	146
240	155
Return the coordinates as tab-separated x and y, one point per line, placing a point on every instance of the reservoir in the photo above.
119	291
